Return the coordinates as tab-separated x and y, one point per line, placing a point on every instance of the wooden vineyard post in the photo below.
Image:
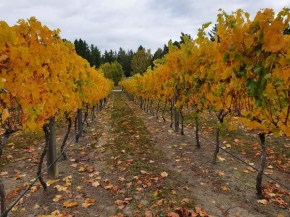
51	152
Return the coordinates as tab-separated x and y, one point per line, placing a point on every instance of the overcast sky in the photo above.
110	24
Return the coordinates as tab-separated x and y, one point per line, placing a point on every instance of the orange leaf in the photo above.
70	204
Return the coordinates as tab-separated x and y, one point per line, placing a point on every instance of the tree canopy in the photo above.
141	61
112	71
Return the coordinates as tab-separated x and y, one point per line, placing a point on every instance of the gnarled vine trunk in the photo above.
158	106
4	140
182	120
171	113
176	116
79	125
164	111
66	136
196	132
47	139
259	186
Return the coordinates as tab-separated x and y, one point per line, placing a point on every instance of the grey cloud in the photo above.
110	24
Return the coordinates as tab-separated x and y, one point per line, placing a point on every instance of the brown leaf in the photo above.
119	202
185	201
121	179
160	202
74	165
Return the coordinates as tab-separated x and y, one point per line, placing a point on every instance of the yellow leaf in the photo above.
173	192
220	158
164	174
80	187
57	198
60	188
263	201
69	204
82	169
95	184
108	187
51	182
34	188
5	115
88	202
220	173
224	188
67	179
36	206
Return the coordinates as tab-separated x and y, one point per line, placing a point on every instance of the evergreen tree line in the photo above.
131	62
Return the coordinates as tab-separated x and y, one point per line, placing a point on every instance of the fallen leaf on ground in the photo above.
263	201
80	187
88	202
108	187
96	184
36	206
185	201
224	188
57	198
220	158
74	165
82	169
60	188
164	174
51	182
70	204
121	179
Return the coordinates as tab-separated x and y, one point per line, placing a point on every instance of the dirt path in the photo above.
225	189
129	164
